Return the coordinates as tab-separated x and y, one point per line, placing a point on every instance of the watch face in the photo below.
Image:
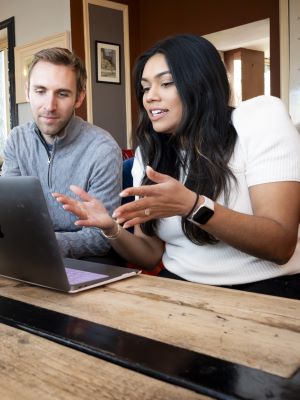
202	215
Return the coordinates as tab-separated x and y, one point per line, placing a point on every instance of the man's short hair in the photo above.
61	56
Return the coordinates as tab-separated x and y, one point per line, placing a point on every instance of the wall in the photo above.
148	22
294	89
159	19
109	105
34	20
77	32
152	20
250	75
78	40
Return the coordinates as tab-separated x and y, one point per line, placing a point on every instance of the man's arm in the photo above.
86	242
10	165
105	184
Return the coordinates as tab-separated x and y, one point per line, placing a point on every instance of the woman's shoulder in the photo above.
265	130
259	105
262	115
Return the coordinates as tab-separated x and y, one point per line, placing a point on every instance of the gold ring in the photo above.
147	212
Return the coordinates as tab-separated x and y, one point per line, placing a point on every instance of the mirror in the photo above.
7	69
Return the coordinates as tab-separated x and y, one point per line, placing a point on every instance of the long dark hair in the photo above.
204	142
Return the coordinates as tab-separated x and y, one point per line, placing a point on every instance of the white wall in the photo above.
295	62
35	20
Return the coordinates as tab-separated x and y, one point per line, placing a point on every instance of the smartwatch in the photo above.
203	213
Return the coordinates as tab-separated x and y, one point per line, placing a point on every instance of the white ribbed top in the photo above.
267	150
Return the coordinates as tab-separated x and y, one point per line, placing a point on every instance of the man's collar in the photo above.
71	130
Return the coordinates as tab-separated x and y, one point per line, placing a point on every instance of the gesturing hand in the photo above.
90	211
166	198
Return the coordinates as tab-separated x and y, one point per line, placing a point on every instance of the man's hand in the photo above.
89	210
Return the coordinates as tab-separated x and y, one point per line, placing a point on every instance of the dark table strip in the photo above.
198	372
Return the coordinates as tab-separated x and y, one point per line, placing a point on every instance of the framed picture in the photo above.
108	62
24	55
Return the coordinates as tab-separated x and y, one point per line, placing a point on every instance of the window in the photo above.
4	103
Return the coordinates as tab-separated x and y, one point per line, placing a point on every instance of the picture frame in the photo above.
24	55
108	62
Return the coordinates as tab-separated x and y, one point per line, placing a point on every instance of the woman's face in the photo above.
161	99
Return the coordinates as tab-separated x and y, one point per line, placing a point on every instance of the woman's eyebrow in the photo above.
157	76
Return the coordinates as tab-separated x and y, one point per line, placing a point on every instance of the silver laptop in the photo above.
29	251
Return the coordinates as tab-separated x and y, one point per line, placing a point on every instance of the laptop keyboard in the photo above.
76	276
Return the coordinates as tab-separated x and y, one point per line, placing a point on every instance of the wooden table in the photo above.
249	342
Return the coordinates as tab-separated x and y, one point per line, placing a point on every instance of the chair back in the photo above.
127	178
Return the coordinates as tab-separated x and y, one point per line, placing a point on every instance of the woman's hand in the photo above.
90	211
166	198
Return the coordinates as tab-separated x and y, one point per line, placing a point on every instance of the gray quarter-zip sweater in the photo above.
85	155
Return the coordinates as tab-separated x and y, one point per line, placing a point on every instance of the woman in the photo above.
217	189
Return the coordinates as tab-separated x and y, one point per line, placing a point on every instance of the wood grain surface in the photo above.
35	368
254	330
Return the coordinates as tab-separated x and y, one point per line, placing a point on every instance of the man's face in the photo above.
52	96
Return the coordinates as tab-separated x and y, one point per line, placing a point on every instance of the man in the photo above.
62	149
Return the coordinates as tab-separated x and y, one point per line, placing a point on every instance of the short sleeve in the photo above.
269	141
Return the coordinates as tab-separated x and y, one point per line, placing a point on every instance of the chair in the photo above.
127	178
